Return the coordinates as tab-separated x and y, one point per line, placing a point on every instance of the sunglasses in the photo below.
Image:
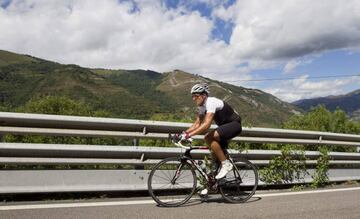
196	95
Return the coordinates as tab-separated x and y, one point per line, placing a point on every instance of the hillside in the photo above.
255	106
350	103
7	58
129	93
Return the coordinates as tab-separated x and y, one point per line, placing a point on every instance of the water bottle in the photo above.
202	165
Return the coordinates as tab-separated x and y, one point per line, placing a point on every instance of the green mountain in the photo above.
129	94
350	103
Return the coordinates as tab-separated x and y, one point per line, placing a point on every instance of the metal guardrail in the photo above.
23	123
14	181
138	153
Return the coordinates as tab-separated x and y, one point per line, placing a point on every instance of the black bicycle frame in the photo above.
187	156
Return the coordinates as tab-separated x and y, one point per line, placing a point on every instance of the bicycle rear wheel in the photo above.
172	182
241	183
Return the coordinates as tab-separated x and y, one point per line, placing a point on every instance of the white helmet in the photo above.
200	88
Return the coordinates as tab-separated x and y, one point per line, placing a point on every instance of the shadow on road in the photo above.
221	200
211	199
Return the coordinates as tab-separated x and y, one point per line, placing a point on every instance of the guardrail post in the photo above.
136	142
138	166
1	137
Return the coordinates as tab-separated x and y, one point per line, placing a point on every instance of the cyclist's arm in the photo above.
204	126
195	125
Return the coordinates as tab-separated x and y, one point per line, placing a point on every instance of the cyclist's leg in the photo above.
226	132
213	141
218	139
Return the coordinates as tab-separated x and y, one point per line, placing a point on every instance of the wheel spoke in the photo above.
241	185
179	185
182	177
164	172
164	186
161	187
162	177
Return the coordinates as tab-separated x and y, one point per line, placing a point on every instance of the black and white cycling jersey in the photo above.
223	112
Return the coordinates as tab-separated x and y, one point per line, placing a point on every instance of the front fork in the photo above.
177	174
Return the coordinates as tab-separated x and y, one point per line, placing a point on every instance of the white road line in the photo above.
307	192
74	205
140	202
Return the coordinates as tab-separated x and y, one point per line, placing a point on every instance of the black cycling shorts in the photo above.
228	131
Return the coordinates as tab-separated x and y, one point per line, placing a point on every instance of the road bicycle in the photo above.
173	181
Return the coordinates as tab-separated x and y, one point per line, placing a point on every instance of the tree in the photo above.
61	105
57	105
321	119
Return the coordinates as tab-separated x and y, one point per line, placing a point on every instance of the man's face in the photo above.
199	99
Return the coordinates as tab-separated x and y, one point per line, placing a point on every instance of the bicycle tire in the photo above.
236	190
176	193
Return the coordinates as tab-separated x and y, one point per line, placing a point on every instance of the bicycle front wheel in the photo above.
241	183
172	182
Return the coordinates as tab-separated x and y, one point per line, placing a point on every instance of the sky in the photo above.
293	49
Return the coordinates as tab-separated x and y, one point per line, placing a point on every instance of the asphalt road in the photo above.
329	203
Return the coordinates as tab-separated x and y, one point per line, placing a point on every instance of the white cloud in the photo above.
144	34
109	34
284	29
291	65
303	88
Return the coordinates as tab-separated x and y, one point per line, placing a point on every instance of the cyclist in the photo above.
229	125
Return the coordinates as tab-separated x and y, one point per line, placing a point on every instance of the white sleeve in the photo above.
211	109
212	105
